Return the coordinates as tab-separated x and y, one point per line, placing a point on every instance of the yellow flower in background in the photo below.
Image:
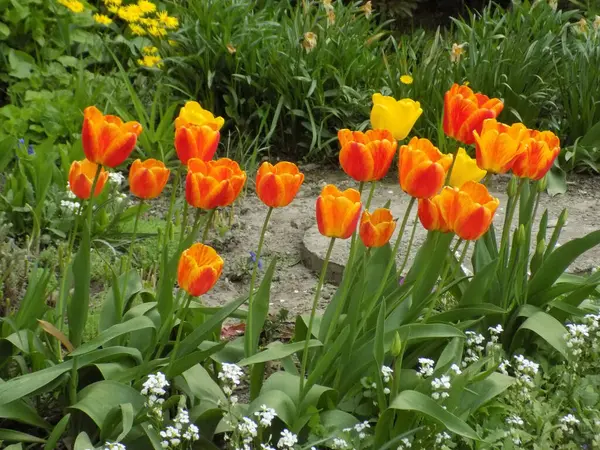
231	49
582	25
596	23
138	30
396	116
367	8
172	43
457	52
130	13
309	42
553	4
113	2
330	17
102	19
113	9
465	169
146	6
406	79
74	5
151	61
150	50
157	31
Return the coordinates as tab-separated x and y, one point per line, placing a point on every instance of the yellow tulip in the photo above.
465	169
396	116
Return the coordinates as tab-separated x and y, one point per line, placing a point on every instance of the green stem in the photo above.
512	204
449	174
169	223
390	264
209	217
250	347
371	192
409	248
92	196
184	220
181	317
312	317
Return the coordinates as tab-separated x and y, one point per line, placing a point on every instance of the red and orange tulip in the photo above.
147	179
106	139
277	185
465	111
210	184
338	212
193	114
538	155
366	156
422	168
196	141
199	269
467	211
498	145
376	229
81	178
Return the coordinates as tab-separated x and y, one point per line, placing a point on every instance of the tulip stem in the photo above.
172	203
181	317
449	174
410	243
184	219
134	234
249	346
209	217
390	264
312	317
510	212
370	197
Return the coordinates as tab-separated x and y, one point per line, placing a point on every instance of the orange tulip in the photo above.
199	269
366	156
211	184
194	114
338	212
147	179
499	145
538	155
81	178
376	229
196	141
277	185
467	211
465	111
422	168
106	139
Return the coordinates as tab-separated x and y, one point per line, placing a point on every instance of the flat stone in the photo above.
583	219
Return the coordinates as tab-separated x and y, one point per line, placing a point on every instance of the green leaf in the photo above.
417	331
83	442
557	181
191	359
128	415
4	31
259	311
278	400
135	324
18	436
98	399
78	305
379	347
479	284
57	432
21	64
200	385
548	328
22	412
108	316
199	334
326	359
559	260
481	392
463	313
278	350
416	401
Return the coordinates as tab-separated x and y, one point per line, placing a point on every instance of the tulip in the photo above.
277	185
538	155
465	169
467	211
211	184
338	212
499	145
196	141
193	114
422	168
106	139
376	229
366	156
465	111
199	269
147	179
81	178
396	116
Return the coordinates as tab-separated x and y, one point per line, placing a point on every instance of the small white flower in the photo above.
116	178
265	415
387	373
114	446
247	427
287	439
568	423
426	369
405	444
339	444
386	391
455	369
514	420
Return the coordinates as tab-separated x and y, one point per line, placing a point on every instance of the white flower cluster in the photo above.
339	443
576	337
426	367
405	444
265	415
182	430
568	423
116	178
114	446
359	428
247	429
525	371
154	389
387	373
515	423
474	348
442	440
120	198
231	376
72	207
495	333
287	439
440	387
69	192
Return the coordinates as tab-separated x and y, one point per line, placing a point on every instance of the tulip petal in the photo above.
357	162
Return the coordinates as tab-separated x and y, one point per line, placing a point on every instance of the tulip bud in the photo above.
177	218
513	187
562	219
538	256
396	348
521	235
543	184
